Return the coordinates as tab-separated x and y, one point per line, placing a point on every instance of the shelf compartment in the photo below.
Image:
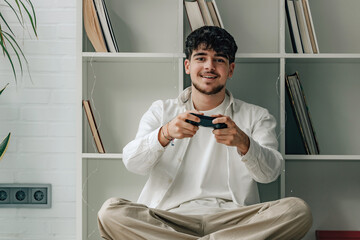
122	93
331	90
249	21
98	187
138	26
335	28
331	190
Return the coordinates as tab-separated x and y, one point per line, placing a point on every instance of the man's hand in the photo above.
232	135
179	128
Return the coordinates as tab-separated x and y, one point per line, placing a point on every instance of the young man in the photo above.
202	181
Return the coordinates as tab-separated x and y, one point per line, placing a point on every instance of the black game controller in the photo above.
206	121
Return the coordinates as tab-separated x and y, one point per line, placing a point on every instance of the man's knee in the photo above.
107	211
300	209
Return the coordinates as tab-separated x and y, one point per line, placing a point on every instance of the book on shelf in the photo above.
215	14
304	32
92	26
205	13
301	26
310	26
202	13
93	127
106	26
293	27
194	15
302	113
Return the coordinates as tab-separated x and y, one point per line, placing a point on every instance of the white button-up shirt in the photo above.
262	163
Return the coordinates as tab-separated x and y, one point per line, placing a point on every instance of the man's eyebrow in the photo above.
199	54
221	55
204	54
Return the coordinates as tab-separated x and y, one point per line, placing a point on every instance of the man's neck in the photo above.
203	102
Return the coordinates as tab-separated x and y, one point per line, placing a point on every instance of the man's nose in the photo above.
209	64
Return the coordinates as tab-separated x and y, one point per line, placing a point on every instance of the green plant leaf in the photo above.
3	88
7	25
2	43
33	22
16	14
21	9
7	35
4	145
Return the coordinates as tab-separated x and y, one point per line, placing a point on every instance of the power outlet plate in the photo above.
17	195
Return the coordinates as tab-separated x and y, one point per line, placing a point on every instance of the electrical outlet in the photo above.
4	195
25	195
19	195
38	195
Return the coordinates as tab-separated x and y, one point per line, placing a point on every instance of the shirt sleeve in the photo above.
141	154
263	160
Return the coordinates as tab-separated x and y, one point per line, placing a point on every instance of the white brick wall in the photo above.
41	116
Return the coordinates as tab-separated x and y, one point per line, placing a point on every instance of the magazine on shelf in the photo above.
93	127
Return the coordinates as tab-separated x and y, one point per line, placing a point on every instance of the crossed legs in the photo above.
287	218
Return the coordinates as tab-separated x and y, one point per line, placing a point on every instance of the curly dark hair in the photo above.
211	37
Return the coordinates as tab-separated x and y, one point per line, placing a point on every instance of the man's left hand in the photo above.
232	135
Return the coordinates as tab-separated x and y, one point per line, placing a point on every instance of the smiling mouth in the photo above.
209	76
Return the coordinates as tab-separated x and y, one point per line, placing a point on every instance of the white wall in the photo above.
41	117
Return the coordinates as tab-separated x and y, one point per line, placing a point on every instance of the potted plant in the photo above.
23	10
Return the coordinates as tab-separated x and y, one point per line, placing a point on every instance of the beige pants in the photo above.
288	218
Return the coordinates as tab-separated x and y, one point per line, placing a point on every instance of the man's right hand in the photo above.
178	128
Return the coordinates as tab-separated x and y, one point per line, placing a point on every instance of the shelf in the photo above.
130	56
240	57
114	156
322	57
322	157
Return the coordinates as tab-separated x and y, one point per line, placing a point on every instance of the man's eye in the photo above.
200	59
220	60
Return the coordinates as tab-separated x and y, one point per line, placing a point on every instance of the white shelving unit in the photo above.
150	36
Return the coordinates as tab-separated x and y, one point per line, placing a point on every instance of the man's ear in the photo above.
187	66
231	69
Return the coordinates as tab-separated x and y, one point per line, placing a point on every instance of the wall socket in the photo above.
18	195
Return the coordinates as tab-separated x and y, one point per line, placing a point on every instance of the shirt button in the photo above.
170	180
179	159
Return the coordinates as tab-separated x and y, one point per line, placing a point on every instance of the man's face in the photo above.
208	70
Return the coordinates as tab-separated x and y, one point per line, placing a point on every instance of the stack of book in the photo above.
202	13
98	26
301	27
302	113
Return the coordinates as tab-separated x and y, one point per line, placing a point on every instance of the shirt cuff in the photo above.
154	144
250	158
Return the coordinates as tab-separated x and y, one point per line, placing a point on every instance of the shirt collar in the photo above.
185	98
